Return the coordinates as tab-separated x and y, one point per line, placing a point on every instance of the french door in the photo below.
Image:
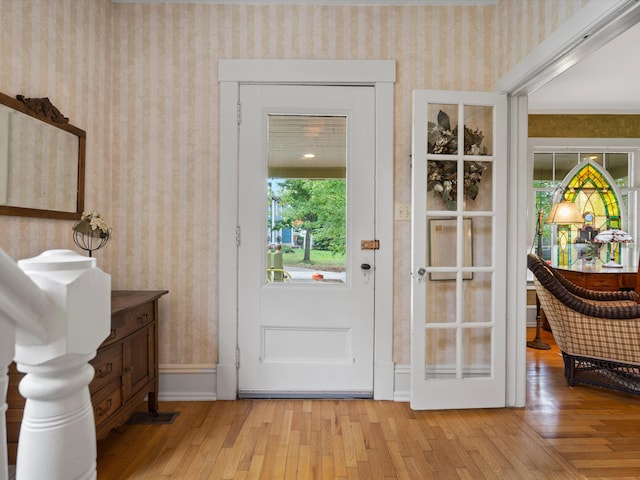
306	190
459	189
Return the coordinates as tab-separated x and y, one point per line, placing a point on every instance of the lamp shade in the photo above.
564	213
613	236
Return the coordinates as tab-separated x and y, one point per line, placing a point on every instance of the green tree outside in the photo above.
317	207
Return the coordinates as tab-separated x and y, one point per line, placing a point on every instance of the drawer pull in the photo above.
103	411
103	373
144	318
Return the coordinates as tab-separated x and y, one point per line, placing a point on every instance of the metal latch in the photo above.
370	245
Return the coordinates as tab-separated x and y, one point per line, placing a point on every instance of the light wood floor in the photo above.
563	433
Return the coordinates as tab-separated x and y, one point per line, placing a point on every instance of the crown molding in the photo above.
388	3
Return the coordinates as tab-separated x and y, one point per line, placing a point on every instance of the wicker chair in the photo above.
597	332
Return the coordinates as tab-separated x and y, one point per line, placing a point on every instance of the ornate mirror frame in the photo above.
43	110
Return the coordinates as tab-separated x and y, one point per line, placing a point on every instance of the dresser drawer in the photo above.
575	277
628	280
127	322
107	400
602	282
107	365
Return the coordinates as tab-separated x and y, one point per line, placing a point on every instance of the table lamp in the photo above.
613	236
562	213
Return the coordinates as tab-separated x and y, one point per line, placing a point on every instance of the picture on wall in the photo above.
443	244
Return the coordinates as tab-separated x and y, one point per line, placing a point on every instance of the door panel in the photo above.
305	330
141	348
458	247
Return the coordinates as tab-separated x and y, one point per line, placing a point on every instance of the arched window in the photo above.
600	180
598	199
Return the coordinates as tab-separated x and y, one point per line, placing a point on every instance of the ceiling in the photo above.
607	81
307	145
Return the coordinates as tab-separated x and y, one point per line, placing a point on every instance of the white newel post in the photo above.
57	436
7	342
23	304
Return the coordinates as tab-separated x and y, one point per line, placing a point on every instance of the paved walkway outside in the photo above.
301	274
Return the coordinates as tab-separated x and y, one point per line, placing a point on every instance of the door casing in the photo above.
594	25
231	74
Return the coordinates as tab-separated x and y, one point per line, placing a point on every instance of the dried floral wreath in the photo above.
442	175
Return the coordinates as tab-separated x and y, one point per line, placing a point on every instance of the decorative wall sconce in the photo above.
91	232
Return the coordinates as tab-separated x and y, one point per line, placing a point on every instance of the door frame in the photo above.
380	74
593	26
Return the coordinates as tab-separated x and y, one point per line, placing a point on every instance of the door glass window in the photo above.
307	199
460	240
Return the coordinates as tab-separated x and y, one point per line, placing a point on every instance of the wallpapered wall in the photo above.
141	79
585	126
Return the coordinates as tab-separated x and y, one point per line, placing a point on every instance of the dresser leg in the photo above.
152	402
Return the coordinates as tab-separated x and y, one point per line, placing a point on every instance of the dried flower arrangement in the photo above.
443	174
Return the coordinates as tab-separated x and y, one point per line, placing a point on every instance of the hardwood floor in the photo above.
563	433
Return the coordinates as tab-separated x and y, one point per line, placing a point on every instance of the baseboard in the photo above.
195	382
402	383
383	381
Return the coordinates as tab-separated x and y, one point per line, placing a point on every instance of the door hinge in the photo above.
237	357
239	112
237	235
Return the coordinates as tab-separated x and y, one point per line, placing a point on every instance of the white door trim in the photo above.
593	26
381	75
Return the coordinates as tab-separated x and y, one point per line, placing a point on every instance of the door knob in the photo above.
365	266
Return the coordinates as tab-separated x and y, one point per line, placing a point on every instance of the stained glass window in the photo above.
600	208
598	183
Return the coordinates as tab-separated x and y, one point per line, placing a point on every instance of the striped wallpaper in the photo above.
141	79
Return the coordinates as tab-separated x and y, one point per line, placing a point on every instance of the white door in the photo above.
306	329
458	338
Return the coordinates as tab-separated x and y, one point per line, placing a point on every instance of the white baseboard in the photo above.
198	383
187	382
383	381
402	383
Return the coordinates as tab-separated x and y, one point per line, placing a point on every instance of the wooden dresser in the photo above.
599	278
126	367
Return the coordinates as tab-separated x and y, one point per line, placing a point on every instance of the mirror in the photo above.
41	160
